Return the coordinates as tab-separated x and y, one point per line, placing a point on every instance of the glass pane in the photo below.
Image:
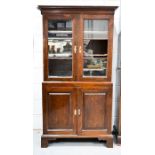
95	47
60	48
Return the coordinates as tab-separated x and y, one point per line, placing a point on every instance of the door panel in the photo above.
58	106
94	111
59	111
95	50
59	45
95	105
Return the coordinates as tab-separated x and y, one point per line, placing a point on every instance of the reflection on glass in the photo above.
96	29
95	47
60	48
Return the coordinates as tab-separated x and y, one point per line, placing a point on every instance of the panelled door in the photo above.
58	110
95	47
95	112
77	110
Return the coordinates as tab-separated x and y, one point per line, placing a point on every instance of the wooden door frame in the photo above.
47	89
110	19
45	46
108	113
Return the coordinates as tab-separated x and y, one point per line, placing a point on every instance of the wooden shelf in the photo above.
96	38
97	69
56	38
55	31
60	54
60	58
52	76
97	55
96	32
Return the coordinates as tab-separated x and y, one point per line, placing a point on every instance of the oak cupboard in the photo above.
77	87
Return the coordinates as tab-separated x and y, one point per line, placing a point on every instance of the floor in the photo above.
72	147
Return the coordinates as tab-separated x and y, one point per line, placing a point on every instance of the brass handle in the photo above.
75	112
80	49
79	112
75	49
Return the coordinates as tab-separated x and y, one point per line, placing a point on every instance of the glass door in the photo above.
60	42
95	46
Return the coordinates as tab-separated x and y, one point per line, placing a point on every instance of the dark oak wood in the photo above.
96	109
54	12
44	142
109	50
110	142
45	45
58	7
77	9
58	106
77	106
93	100
93	111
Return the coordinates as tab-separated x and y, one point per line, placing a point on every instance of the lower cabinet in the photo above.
77	110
